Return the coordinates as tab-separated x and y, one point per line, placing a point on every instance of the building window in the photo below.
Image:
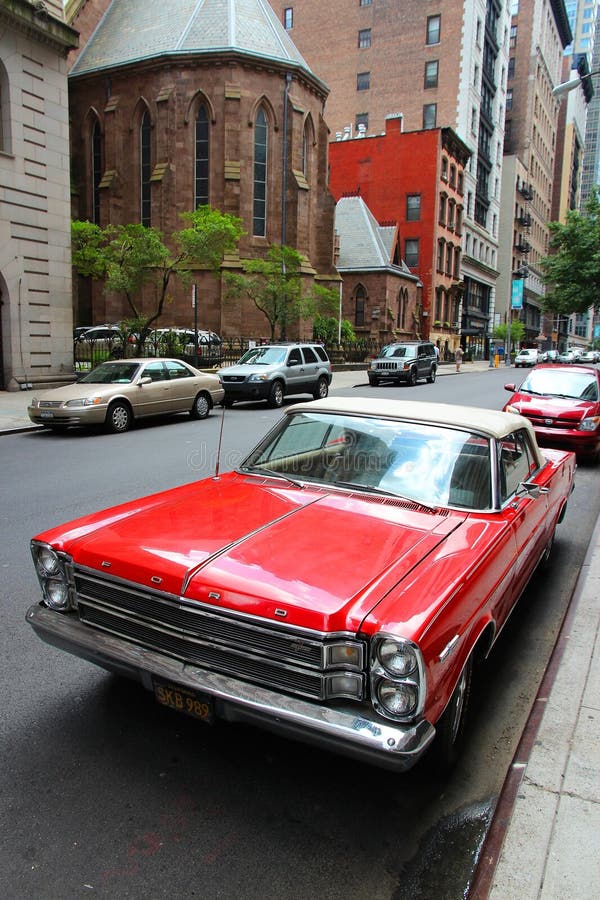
201	161
402	308
444	169
431	73
513	37
364	38
433	29
440	259
145	170
429	115
359	306
460	180
411	252
363	81
288	18
511	67
261	139
5	143
509	99
364	2
96	171
452	176
443	207
413	207
361	119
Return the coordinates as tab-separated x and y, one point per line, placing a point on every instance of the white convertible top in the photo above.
490	422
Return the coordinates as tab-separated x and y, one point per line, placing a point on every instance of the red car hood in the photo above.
316	559
567	410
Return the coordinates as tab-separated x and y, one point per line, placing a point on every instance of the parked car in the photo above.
274	371
548	356
526	357
590	356
569	356
340	587
117	392
563	406
404	362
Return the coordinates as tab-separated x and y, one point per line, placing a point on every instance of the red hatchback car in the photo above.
563	405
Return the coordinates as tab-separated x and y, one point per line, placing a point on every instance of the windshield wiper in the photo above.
377	490
271	473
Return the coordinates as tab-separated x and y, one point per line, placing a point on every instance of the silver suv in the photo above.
272	371
406	361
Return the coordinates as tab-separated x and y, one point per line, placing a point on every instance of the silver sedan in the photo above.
118	391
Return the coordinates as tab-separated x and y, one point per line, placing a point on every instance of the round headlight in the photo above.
398	699
48	562
56	594
397	658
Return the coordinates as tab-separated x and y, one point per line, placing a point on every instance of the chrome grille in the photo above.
50	404
264	654
388	366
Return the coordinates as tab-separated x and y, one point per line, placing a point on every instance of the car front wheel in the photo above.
201	406
276	395
119	417
450	728
321	390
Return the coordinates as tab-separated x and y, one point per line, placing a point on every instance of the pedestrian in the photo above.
458	358
437	351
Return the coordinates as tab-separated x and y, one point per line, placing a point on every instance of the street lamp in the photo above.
561	89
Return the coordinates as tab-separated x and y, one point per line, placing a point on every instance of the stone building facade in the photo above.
200	103
35	260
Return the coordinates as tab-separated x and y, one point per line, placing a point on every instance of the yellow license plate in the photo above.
184	700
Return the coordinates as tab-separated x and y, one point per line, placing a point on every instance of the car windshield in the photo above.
397	350
263	356
556	382
428	464
111	373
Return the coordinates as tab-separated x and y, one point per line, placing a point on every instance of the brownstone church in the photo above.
175	105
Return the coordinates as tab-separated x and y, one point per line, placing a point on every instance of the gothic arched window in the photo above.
201	160
145	170
261	141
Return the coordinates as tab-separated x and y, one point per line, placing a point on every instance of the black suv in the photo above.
271	371
406	361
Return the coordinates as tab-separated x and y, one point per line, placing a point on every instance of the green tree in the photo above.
517	332
326	328
274	284
572	270
126	257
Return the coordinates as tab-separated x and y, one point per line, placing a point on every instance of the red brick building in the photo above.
174	105
415	180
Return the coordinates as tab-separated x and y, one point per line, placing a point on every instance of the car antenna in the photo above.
216	475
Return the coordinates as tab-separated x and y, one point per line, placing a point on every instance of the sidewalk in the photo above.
544	839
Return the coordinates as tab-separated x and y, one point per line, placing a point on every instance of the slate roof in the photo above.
135	30
364	244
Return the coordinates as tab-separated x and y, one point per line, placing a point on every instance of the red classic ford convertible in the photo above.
339	587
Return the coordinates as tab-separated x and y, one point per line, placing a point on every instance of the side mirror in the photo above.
529	489
510	387
145	380
293	362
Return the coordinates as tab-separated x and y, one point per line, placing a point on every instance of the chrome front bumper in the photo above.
346	730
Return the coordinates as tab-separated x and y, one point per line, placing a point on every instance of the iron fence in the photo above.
211	353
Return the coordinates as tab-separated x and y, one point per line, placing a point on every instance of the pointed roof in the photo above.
364	244
131	31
